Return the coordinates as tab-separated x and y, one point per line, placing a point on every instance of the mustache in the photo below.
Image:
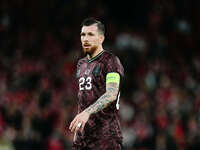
86	44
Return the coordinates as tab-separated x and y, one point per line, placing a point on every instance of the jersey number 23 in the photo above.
85	83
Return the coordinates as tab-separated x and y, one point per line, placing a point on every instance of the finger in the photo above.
72	123
77	127
74	136
82	127
74	126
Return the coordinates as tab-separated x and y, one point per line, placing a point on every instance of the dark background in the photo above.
157	42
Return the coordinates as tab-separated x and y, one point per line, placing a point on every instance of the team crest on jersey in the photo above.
78	73
96	71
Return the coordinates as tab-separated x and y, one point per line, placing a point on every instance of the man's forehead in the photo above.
91	28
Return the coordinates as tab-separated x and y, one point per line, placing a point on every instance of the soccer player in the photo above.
96	126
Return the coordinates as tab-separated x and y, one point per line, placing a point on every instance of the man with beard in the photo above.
96	126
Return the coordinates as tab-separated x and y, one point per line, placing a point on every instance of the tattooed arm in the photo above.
112	88
105	99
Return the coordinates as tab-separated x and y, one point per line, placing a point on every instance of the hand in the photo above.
80	118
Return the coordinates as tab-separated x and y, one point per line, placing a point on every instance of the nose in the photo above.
85	38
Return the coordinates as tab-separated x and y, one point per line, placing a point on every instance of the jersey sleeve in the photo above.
113	64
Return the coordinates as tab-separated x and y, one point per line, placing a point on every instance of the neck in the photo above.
99	50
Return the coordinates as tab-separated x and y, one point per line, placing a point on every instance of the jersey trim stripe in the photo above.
90	60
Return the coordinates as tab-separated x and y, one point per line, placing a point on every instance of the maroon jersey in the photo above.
91	78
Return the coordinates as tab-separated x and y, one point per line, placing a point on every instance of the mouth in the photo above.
86	45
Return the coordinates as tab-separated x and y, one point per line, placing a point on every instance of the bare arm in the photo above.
106	99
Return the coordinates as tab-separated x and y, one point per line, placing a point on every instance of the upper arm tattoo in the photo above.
106	99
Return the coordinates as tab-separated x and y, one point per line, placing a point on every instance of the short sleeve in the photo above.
113	64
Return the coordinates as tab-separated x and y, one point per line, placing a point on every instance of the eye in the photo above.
91	34
82	34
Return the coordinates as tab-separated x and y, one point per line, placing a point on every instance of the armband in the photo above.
113	77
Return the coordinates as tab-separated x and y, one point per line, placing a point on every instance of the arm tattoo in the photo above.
105	99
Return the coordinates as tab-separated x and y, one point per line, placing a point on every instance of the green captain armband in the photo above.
113	77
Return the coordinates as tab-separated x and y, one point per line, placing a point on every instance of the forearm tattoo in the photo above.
105	99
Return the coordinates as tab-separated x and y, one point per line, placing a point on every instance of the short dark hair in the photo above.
91	21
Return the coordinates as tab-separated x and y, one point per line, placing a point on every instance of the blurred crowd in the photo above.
157	42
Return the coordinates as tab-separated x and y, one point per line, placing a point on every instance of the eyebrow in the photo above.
90	33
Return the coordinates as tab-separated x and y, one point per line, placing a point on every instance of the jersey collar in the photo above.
90	60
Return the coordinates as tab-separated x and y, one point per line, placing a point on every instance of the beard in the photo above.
89	51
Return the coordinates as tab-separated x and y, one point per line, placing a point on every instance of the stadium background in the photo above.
157	42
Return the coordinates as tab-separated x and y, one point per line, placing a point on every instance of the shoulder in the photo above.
108	55
82	61
112	63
